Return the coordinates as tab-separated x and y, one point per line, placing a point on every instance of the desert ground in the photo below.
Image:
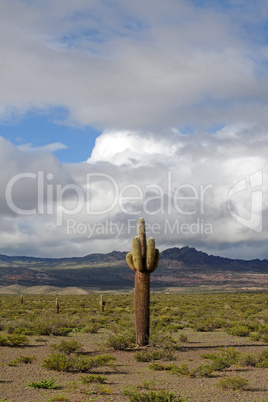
197	343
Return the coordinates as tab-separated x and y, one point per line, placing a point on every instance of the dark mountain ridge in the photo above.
192	257
178	267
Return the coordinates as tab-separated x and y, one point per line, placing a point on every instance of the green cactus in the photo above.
144	260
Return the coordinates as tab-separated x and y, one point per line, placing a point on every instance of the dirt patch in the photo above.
15	379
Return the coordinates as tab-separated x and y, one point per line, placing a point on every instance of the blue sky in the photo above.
157	101
35	130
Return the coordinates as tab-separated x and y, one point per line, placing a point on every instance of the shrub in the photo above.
58	362
88	378
204	370
152	396
205	325
63	362
59	398
3	340
255	336
163	341
183	338
61	331
183	369
85	364
122	341
236	382
22	359
224	359
14	340
147	384
264	338
239	330
45	384
150	355
91	329
67	347
248	359
263	359
157	366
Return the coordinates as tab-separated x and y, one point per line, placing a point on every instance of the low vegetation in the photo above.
45	384
89	342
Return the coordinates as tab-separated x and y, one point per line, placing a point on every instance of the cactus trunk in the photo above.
143	259
142	307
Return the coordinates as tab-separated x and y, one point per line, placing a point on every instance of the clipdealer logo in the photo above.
102	194
251	191
121	229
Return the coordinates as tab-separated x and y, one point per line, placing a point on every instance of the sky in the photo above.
113	110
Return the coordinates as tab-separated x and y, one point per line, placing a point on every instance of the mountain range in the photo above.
179	268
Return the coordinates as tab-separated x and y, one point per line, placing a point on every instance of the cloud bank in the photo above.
200	192
141	66
179	92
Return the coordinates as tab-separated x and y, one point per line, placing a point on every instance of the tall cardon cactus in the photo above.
144	260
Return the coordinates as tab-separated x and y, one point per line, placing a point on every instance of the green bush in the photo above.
122	341
45	384
204	370
135	395
248	359
255	336
206	325
263	359
239	330
14	340
63	362
183	369
150	355
95	378
85	364
157	366
264	338
183	338
92	329
67	347
235	383
224	359
22	359
58	362
163	341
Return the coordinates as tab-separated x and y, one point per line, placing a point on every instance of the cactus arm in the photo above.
129	258
142	237
156	260
136	252
150	256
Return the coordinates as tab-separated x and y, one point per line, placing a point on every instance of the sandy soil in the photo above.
14	380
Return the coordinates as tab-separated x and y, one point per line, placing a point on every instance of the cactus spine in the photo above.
144	260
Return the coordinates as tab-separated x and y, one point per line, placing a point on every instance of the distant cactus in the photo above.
57	306
102	303
144	260
21	299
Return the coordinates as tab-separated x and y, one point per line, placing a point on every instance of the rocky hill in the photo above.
178	268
